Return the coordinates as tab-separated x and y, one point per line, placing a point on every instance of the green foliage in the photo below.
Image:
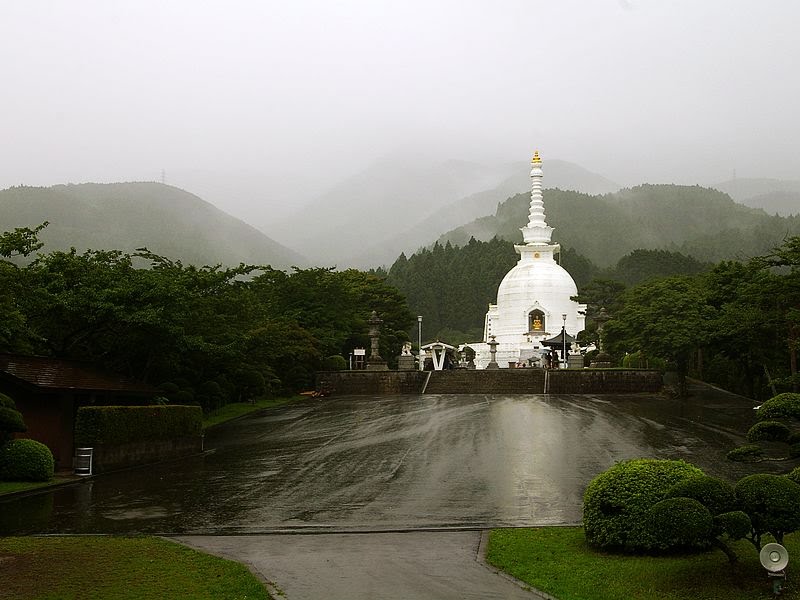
26	460
735	524
97	425
643	265
782	406
794	475
336	362
225	334
616	501
772	502
639	360
677	523
11	420
746	453
664	318
769	431
715	494
23	241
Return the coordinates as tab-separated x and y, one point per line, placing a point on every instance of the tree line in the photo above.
208	335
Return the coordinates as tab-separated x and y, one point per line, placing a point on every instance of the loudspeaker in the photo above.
774	557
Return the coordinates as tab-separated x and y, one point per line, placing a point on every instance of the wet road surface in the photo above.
395	463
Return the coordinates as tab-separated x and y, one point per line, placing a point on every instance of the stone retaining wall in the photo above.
603	381
370	382
501	381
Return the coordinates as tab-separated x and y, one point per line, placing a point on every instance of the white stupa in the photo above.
533	300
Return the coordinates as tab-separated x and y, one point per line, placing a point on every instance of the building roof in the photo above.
60	374
558	340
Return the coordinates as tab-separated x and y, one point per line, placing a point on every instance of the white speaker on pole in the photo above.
774	557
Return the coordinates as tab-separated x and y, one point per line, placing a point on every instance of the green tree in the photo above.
666	318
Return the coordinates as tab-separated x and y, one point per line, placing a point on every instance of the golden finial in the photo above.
536	160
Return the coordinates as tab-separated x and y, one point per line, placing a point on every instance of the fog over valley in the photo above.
349	132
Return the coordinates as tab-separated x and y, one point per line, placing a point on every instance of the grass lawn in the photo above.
237	409
8	487
115	568
556	560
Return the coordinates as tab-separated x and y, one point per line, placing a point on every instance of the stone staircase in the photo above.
501	381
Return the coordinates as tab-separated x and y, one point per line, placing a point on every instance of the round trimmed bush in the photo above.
782	406
679	523
735	524
716	495
26	460
772	502
616	501
335	362
746	453
768	431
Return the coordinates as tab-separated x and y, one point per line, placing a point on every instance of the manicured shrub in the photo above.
794	438
6	401
772	502
782	406
735	524
679	523
96	425
11	420
716	495
617	501
746	453
795	475
26	460
336	362
768	431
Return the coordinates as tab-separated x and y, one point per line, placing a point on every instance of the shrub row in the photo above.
648	505
123	424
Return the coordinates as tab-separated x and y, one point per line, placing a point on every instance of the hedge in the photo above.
772	502
768	431
97	425
617	501
782	406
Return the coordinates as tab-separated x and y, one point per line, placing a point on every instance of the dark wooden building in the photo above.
49	391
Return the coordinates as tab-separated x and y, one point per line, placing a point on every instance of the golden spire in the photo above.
536	160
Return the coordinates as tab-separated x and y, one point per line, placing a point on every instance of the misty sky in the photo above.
313	90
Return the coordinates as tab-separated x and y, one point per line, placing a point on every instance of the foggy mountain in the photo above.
775	196
401	204
702	222
125	216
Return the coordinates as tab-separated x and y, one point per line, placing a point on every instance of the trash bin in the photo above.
83	461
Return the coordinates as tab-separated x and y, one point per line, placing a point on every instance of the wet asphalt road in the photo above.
395	463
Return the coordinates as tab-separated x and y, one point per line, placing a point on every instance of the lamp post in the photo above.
419	331
564	339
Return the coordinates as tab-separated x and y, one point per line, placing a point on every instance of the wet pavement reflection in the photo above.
399	462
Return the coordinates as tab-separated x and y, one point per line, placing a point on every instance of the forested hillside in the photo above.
697	221
127	216
452	286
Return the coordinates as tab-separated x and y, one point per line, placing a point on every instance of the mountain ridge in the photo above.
126	216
